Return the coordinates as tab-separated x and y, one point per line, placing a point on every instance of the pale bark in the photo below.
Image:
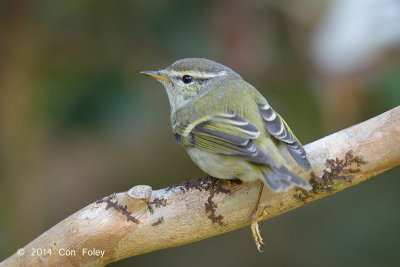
180	217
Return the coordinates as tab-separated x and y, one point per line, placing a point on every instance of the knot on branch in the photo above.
121	208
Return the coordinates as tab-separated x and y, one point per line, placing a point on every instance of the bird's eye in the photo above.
187	79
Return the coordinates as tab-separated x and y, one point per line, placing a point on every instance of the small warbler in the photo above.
228	128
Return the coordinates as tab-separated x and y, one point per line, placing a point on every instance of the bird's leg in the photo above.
255	230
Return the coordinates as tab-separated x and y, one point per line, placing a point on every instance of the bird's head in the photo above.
186	78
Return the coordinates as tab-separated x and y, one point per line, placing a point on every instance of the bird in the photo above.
229	129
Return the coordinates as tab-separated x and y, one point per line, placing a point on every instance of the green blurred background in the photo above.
78	121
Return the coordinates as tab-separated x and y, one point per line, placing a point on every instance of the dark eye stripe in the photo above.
198	80
202	79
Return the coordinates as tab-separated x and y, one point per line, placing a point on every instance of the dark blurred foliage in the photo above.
78	122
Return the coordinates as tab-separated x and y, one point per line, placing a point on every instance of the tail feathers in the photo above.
281	179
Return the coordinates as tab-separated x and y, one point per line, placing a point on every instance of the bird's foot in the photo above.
255	231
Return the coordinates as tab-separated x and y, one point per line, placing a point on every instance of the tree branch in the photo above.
204	208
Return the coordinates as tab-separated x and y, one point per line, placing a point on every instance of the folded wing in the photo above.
224	133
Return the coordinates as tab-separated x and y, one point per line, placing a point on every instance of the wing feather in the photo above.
228	134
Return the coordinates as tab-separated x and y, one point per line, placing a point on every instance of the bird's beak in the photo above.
156	74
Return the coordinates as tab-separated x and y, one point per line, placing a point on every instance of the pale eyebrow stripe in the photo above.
201	75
